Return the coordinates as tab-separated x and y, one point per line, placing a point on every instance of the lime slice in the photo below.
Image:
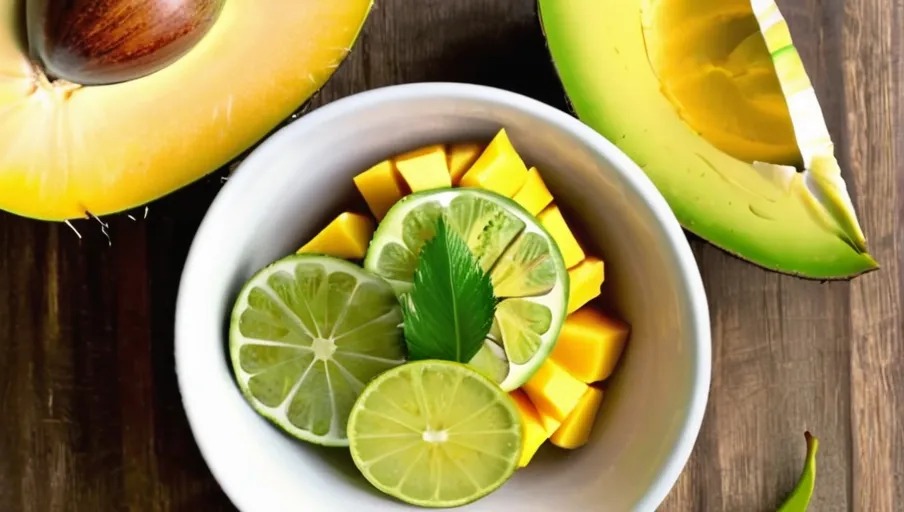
435	434
307	334
526	267
491	361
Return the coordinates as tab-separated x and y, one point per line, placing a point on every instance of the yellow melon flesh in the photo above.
585	282
424	168
461	157
553	391
345	237
381	186
67	150
499	168
590	345
534	433
551	219
575	430
533	196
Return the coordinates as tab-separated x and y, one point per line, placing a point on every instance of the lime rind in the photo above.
486	227
541	282
523	324
299	359
491	361
435	434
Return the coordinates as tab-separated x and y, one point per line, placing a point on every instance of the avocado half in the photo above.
68	150
710	98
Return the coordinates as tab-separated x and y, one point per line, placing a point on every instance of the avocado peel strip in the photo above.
799	499
823	174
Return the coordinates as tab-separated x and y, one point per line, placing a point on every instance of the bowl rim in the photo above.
688	271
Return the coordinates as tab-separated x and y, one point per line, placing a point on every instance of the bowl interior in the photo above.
286	191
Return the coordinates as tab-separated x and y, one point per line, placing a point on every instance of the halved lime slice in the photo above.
435	434
524	262
308	332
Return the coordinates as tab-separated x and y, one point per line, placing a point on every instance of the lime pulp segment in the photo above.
525	265
307	334
435	434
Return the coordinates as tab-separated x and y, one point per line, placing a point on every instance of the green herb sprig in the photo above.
449	309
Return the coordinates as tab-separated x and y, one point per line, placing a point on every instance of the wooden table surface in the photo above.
90	417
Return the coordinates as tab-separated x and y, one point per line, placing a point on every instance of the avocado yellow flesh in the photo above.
67	150
718	75
715	158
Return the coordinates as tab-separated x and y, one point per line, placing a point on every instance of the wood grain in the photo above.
90	408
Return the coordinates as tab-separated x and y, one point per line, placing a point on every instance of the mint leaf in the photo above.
449	310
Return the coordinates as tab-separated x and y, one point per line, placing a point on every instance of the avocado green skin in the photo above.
598	50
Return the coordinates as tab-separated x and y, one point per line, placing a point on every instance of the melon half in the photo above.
69	151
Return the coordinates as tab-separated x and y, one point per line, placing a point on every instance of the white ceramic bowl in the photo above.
285	190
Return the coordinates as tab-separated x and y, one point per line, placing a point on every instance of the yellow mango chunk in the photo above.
346	237
550	423
533	195
575	430
551	219
534	433
381	186
553	391
461	157
424	168
590	345
499	168
586	280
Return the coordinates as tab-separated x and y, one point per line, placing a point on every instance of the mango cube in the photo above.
575	430
550	423
381	186
534	434
533	195
553	391
590	345
551	219
461	157
346	237
586	281
499	168
424	168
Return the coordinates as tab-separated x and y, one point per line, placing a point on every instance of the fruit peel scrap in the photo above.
799	499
